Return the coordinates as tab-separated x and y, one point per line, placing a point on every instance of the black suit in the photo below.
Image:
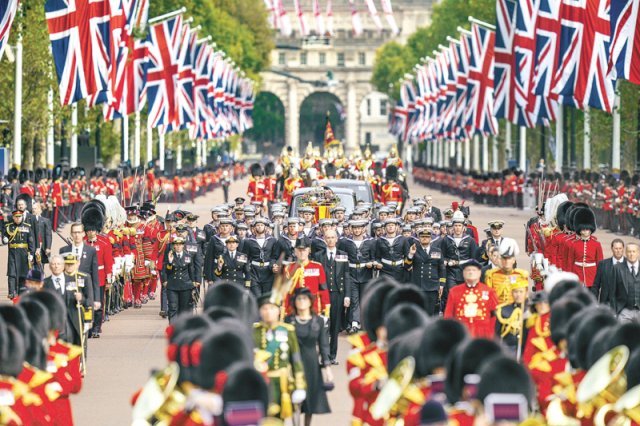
339	285
179	276
428	273
435	213
44	236
88	265
624	287
73	326
261	261
361	275
603	282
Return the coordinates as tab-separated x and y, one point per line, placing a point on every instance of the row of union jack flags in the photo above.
184	82
543	53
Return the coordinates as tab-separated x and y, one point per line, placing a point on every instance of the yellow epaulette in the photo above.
117	233
74	350
522	272
531	321
289	327
356	340
356	359
39	377
499	316
490	272
82	274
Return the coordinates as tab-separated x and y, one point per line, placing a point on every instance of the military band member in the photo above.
19	236
285	370
473	303
501	279
390	251
511	318
178	277
427	272
233	265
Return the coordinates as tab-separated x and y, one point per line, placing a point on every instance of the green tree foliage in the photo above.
268	121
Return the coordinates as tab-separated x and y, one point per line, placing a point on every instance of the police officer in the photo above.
179	278
19	236
233	265
427	272
260	249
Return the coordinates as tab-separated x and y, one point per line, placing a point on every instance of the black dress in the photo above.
312	336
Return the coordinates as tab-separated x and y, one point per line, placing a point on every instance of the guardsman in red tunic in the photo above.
93	222
392	191
473	303
57	195
310	274
293	182
270	181
586	251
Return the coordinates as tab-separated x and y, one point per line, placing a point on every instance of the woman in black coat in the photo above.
314	348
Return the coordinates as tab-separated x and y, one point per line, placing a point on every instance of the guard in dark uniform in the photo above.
261	251
457	249
427	272
19	237
179	278
286	241
361	252
217	246
493	240
390	251
233	265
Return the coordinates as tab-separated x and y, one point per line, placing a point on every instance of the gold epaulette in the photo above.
522	272
356	359
81	274
74	350
39	378
289	327
356	340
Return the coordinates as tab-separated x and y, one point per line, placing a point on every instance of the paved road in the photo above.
133	341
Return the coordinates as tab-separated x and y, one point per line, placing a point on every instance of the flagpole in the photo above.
73	156
17	121
507	140
523	148
467	154
482	23
161	149
124	146
615	151
485	153
586	146
559	139
50	130
458	143
476	152
149	144
136	140
178	154
494	154
167	16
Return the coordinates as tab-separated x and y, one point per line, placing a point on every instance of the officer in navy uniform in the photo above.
193	246
361	251
286	241
426	269
336	267
390	251
179	278
19	236
261	251
233	265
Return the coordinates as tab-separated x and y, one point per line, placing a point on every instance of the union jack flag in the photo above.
405	109
547	33
80	36
7	14
451	77
504	105
203	114
581	76
463	52
480	82
164	42
624	60
186	77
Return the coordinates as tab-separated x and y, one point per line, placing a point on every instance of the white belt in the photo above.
392	262
261	264
584	265
100	267
357	265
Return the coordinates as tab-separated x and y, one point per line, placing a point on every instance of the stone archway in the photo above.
268	133
313	112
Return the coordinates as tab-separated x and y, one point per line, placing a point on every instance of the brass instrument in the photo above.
625	410
392	391
158	398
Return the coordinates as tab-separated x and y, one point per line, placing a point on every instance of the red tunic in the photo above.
355	366
315	280
257	189
104	252
362	386
391	191
583	259
474	307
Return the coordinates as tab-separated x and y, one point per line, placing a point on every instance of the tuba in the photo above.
623	412
392	391
155	397
606	381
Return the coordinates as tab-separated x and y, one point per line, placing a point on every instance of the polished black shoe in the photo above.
163	314
334	362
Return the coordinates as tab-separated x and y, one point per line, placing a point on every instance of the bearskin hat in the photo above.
38	317
13	173
23	176
581	330
54	304
391	173
600	345
468	358
216	313
561	313
270	169
501	374
230	295
209	360
402	346
404	317
12	362
405	293
256	170
584	219
562	212
438	341
92	219
244	389
372	307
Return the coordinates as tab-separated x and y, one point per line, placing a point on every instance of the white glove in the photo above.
87	327
5	240
298	396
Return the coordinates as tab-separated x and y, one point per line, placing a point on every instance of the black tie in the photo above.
633	270
331	257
